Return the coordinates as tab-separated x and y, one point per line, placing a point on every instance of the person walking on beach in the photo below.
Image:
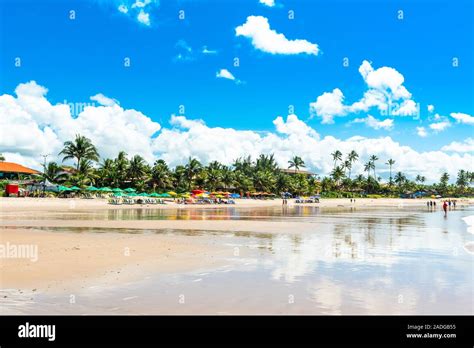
445	208
454	204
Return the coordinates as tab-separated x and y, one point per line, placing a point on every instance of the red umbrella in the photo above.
197	192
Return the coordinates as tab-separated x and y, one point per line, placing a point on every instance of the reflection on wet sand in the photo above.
352	261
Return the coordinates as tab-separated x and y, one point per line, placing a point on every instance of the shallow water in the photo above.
353	261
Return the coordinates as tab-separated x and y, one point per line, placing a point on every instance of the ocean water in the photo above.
405	260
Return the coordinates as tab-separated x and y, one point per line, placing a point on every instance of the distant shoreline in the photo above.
38	204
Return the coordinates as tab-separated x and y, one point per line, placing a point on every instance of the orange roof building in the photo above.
10	170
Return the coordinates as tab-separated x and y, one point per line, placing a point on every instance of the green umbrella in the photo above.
165	195
117	189
129	189
154	194
63	188
118	194
105	189
92	188
74	188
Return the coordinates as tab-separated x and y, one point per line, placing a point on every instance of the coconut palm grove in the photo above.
246	175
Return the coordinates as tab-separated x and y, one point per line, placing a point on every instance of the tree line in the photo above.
244	175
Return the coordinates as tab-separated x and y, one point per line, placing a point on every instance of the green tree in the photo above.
54	173
390	163
352	157
192	168
373	159
137	169
80	148
296	162
336	156
161	175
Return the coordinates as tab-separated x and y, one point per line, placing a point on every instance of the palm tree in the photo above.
390	163
337	174
54	173
107	173
192	170
227	177
264	180
336	156
213	178
296	162
372	159
352	157
400	180
367	168
443	183
266	163
85	173
2	158
137	169
80	148
346	165
161	175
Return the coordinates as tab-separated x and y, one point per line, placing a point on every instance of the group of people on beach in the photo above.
447	204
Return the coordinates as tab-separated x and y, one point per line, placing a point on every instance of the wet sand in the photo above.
251	258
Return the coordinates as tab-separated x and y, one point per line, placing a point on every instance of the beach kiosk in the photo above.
12	171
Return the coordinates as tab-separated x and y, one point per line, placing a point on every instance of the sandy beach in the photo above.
82	243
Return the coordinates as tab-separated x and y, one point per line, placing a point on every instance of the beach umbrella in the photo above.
63	188
196	192
74	188
165	195
129	189
92	188
117	189
154	194
172	193
118	194
234	195
105	189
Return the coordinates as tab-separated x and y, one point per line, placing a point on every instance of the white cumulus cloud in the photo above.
258	30
42	128
430	108
439	126
144	18
465	146
385	92
372	122
225	74
421	131
103	100
269	3
463	118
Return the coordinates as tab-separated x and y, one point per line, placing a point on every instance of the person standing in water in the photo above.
445	208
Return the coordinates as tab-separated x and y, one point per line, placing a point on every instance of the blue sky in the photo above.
76	59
